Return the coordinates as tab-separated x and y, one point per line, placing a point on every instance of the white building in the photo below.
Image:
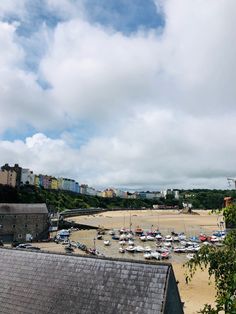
27	176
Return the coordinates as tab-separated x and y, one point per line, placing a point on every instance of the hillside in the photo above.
60	200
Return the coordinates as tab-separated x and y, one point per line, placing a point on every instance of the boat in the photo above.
167	244
214	239
131	242
130	249
122	242
190	256
159	237
147	255
147	249
139	249
99	237
203	237
168	238
111	232
165	255
155	255
138	231
115	237
143	238
150	238
107	242
121	250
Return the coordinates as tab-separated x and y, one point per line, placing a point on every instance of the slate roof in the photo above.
40	283
8	208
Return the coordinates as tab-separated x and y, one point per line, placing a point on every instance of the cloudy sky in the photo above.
120	93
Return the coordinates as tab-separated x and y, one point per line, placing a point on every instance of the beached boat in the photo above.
147	255
147	249
130	249
156	255
131	242
150	238
165	255
122	242
107	242
99	237
139	231
143	238
115	237
111	232
203	237
159	237
121	250
139	249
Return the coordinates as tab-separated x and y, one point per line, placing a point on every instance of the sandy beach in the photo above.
196	293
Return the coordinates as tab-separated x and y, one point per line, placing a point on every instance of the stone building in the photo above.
20	222
38	282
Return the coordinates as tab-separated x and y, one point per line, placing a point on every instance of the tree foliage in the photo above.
221	265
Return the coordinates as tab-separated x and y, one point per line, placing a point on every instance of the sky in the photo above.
120	93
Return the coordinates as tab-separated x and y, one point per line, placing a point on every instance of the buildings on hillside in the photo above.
15	176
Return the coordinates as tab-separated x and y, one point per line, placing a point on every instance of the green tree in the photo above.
221	265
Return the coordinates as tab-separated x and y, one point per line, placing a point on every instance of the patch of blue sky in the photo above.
126	16
20	134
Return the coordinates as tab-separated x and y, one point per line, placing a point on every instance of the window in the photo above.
13	226
26	225
36	225
19	236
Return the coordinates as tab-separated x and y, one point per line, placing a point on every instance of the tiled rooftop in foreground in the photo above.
42	282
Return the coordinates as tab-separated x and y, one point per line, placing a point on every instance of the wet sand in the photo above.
195	294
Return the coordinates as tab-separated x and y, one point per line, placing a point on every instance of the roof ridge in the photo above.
118	259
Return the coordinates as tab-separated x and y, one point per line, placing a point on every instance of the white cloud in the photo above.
162	102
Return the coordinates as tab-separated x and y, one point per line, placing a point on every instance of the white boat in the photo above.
182	237
122	242
143	238
129	236
150	238
168	238
155	255
159	237
167	244
147	255
214	239
121	250
139	249
106	242
131	242
111	232
130	249
190	256
147	249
